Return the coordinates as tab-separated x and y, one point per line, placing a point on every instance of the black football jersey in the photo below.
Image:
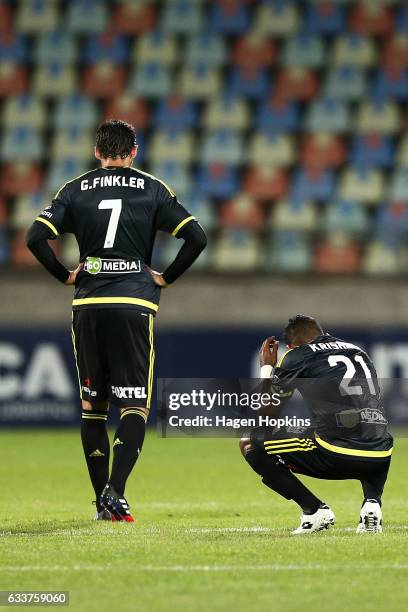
114	214
338	382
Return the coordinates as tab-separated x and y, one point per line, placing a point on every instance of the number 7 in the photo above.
116	207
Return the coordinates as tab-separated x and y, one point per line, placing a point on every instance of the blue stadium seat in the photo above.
345	83
290	252
61	171
401	20
26	208
391	84
250	82
217	181
201	208
58	45
391	222
312	184
372	150
75	110
182	16
303	50
399	186
176	113
222	146
86	16
151	80
106	46
175	175
229	17
4	247
13	47
206	47
327	115
324	18
278	116
25	110
23	143
346	216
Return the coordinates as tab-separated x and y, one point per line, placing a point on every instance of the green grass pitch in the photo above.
208	535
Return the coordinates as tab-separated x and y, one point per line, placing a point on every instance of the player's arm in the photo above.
174	219
49	224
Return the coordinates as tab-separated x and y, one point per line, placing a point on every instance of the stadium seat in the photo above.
362	184
296	84
271	148
61	171
381	258
222	146
324	17
13	79
201	208
337	255
242	211
354	50
253	83
372	18
217	181
35	16
86	16
182	17
155	47
199	81
26	208
293	215
4	213
72	142
175	175
58	45
13	47
132	17
277	115
402	155
228	112
76	110
266	183
176	113
322	151
167	145
5	19
346	216
277	18
395	51
22	143
289	252
103	80
53	80
4	247
345	83
328	116
151	80
25	110
392	82
236	250
401	21
107	46
391	223
312	183
381	116
229	17
254	50
128	108
303	50
20	177
398	188
19	254
205	47
372	150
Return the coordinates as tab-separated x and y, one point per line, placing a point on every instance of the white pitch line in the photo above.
205	568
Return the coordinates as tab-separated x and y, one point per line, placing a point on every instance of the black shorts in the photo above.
302	454
114	355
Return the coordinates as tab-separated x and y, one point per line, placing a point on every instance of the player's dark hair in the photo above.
115	138
300	328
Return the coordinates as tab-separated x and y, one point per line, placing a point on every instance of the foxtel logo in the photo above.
129	392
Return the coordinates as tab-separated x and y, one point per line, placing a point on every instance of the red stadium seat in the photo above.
395	51
242	212
322	151
266	182
372	19
296	84
103	80
5	18
254	50
134	17
130	109
3	212
338	256
13	79
20	255
19	178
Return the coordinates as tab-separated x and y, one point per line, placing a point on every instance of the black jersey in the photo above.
114	214
338	381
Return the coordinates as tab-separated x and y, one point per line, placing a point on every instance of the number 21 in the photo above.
116	207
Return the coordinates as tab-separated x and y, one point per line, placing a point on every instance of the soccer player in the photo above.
348	438
114	212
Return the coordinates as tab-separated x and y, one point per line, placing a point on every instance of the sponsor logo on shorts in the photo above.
97	265
129	392
89	391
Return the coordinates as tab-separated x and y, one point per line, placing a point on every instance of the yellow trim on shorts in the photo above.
352	451
76	356
141	413
151	364
50	225
116	300
182	224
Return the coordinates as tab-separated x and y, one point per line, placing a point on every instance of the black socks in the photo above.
127	445
280	479
95	443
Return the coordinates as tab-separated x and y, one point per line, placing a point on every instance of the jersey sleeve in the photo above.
287	370
171	216
56	216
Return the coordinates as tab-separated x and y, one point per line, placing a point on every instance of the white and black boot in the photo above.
323	518
370	517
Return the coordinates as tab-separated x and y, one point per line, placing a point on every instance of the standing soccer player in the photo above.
348	438
114	212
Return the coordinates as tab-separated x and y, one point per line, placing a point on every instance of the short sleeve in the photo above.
288	369
171	216
56	216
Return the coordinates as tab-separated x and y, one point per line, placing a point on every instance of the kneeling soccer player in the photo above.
348	438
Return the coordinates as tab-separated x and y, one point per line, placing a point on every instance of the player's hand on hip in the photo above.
73	274
268	354
158	278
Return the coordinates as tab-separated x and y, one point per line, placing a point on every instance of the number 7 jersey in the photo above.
114	214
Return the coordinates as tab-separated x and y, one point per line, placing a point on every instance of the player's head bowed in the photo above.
301	329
